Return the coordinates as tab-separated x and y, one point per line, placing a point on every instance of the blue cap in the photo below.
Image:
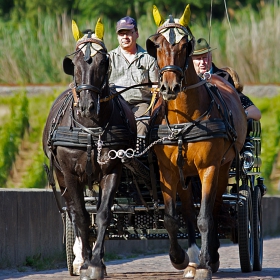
126	23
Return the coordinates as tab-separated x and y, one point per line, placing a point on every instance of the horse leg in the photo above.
77	250
74	199
109	184
188	214
205	223
177	255
80	217
214	242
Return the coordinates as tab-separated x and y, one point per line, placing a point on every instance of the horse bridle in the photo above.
175	68
73	86
87	56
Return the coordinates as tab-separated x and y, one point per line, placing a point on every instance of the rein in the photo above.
202	82
116	93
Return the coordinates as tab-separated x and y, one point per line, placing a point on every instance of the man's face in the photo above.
202	63
127	38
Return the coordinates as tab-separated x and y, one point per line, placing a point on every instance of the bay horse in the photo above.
83	131
202	127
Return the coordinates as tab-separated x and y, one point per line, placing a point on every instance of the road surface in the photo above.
158	267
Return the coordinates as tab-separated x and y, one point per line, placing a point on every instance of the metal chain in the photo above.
153	144
129	153
99	149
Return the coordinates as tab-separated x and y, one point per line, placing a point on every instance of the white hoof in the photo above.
76	268
189	272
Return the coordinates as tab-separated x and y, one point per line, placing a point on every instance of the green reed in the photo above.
248	43
11	134
35	175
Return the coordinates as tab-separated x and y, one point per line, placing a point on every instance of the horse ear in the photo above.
68	66
150	46
76	32
99	29
159	20
185	18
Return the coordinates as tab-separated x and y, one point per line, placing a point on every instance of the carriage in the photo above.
138	211
191	177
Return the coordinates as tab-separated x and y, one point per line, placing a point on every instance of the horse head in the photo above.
89	68
171	46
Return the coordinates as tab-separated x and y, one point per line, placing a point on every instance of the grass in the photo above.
38	109
34	54
35	176
270	108
39	263
11	133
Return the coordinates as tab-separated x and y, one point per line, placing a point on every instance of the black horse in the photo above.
84	133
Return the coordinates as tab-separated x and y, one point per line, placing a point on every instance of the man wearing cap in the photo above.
132	65
204	67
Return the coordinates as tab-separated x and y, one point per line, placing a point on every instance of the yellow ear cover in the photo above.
99	29
186	17
76	32
159	20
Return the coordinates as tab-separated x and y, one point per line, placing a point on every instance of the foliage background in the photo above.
35	36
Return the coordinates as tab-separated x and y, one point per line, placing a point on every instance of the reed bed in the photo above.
249	43
11	133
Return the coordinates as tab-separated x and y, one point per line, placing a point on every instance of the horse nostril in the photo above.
162	88
91	106
177	88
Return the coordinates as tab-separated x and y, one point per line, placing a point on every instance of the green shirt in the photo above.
141	70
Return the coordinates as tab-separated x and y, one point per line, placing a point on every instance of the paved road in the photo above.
158	267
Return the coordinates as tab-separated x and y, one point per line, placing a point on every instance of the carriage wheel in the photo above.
69	240
245	231
257	229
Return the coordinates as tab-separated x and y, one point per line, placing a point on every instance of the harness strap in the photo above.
51	180
202	82
226	114
67	99
72	86
89	164
180	161
153	179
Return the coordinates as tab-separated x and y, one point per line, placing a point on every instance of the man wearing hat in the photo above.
132	65
202	61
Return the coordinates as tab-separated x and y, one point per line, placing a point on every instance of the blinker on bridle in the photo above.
87	42
172	40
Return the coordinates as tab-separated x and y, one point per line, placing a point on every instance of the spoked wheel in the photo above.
245	230
257	229
69	240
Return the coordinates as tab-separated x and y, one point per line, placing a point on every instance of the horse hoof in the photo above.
215	266
203	274
182	265
189	272
76	268
92	273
